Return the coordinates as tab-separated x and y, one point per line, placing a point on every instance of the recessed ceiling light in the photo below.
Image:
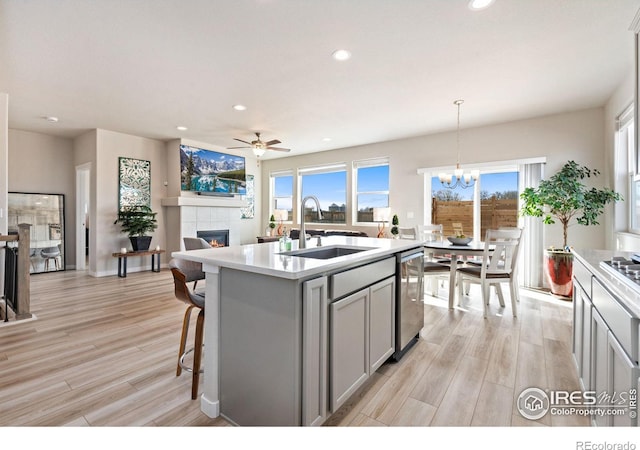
327	139
181	128
480	4
51	119
341	55
239	107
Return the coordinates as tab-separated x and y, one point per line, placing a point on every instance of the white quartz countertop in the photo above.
266	258
627	291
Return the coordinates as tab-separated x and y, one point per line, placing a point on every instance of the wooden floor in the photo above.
102	352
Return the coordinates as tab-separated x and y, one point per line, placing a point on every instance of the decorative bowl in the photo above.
459	240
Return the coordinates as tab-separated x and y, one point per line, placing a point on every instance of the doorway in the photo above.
83	176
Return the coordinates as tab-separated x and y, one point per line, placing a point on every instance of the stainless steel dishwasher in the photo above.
409	300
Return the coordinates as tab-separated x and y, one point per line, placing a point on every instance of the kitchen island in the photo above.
289	336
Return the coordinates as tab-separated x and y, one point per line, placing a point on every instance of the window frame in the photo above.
628	152
362	164
318	170
272	192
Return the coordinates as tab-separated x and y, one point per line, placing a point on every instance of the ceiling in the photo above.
144	67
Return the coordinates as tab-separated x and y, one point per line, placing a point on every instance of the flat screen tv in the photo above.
206	171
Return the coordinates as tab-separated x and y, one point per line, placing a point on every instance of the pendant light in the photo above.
459	177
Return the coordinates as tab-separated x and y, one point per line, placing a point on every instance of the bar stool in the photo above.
183	272
50	253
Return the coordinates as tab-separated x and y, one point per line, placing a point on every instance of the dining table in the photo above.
444	247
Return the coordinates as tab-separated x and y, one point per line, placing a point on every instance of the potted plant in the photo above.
137	221
563	197
394	229
272	224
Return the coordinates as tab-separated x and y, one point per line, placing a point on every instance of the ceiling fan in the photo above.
259	147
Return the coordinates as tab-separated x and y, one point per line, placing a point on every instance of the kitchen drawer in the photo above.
352	280
621	322
582	276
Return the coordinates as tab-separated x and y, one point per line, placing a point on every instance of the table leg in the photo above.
122	266
155	263
452	280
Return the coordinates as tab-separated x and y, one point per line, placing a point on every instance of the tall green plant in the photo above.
565	196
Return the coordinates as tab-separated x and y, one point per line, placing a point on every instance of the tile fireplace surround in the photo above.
189	215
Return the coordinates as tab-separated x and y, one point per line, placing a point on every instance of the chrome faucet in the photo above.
302	240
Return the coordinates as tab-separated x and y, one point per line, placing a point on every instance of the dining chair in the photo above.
407	233
431	268
500	258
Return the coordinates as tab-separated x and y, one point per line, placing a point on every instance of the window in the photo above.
371	178
626	149
282	192
329	185
492	203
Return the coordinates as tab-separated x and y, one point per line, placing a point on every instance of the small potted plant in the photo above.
272	224
394	229
137	221
563	197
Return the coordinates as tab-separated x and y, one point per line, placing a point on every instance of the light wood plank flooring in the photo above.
102	352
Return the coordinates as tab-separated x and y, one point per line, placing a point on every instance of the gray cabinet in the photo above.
599	360
605	346
613	372
349	338
362	336
582	334
622	377
381	323
314	351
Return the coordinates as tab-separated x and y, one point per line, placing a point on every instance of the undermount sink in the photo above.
328	252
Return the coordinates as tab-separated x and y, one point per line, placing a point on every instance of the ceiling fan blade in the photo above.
242	141
229	148
279	149
273	142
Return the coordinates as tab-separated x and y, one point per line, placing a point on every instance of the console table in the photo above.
122	260
262	239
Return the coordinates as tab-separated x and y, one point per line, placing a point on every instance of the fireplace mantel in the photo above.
221	202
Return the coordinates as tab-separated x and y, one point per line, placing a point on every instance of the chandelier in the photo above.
459	177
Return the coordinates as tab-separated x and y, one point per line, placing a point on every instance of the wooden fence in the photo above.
493	214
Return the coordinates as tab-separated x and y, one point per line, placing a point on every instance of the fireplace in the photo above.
216	238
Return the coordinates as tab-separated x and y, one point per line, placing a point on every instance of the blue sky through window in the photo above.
329	187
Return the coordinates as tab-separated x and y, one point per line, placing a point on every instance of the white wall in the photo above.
575	135
40	163
109	147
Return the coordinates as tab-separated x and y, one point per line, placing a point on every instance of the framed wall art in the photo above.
134	185
249	210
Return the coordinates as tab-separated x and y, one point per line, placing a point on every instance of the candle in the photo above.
123	250
157	247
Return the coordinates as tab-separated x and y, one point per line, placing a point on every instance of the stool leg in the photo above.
183	338
197	354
